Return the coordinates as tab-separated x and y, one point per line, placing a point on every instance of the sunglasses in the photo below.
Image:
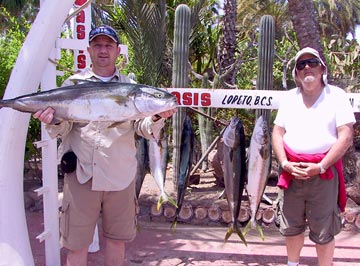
312	62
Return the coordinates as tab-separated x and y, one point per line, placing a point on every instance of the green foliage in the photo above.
343	57
143	25
11	41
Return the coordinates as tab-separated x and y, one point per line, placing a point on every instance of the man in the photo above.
312	131
104	179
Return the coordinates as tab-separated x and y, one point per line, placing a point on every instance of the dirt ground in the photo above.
199	244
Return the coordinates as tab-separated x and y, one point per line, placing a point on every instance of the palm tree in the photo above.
228	41
338	18
144	25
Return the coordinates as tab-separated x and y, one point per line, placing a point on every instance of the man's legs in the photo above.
77	257
294	245
325	253
114	252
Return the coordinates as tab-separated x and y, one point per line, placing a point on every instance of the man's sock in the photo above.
290	263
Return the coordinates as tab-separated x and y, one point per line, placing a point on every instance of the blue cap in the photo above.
105	31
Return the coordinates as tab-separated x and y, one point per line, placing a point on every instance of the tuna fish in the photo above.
96	101
234	172
158	161
258	170
186	151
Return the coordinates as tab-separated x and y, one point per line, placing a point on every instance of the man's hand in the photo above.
46	116
297	170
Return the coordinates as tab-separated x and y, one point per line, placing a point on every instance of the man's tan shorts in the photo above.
312	202
81	208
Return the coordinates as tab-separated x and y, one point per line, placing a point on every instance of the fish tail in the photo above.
260	231
250	225
229	232
160	202
173	225
172	201
242	237
247	228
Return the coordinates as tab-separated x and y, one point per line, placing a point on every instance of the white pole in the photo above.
25	78
50	180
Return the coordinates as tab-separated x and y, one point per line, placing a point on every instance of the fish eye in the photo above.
158	94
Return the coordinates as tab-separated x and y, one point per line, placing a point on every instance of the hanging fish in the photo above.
142	157
158	162
258	170
234	168
186	153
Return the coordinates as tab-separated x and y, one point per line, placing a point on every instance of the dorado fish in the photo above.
234	172
96	101
186	151
157	161
258	170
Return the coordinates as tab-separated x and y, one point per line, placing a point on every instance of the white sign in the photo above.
235	98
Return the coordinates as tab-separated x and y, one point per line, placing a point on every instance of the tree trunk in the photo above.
306	24
228	42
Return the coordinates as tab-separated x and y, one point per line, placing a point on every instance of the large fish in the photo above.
186	155
258	170
158	162
234	172
96	101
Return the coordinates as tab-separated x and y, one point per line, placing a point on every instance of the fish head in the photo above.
229	135
150	100
261	133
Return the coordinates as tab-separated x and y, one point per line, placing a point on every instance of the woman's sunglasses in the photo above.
312	62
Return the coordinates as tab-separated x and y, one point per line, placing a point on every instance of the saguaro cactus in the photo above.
265	79
180	77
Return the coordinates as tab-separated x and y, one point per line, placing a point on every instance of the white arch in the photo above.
26	75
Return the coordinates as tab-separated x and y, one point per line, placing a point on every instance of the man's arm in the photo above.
47	116
339	148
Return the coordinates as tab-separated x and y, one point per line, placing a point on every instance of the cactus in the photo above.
205	124
180	77
265	79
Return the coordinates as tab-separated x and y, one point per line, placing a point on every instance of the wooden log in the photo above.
349	227
200	213
214	213
268	215
226	216
169	211
357	221
244	214
186	211
154	210
259	214
350	217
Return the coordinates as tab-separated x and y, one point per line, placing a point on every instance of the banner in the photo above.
235	98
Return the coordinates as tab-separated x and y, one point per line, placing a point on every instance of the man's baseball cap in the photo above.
312	51
105	31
